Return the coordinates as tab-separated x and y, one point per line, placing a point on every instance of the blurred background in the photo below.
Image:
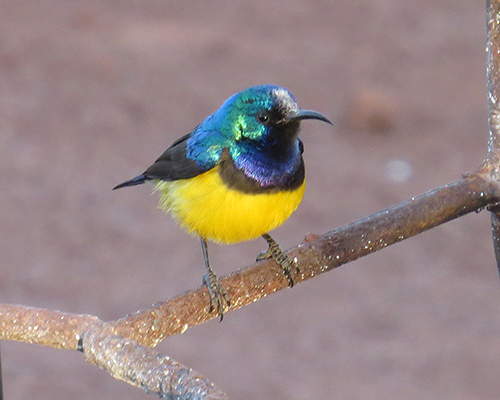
92	92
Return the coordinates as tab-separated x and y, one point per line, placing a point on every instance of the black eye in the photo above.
263	117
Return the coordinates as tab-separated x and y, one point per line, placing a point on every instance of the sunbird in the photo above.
238	175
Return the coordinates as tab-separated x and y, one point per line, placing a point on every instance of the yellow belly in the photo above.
204	205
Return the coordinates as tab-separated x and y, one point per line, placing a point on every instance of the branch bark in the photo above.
140	366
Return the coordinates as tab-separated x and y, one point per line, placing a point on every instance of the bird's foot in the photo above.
274	251
264	255
219	299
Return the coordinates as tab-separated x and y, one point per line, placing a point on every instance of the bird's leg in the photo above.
274	251
219	299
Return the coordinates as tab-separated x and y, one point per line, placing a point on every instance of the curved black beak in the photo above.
309	114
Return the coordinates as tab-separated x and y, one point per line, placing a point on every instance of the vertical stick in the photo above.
1	381
491	164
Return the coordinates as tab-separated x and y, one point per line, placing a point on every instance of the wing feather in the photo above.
172	165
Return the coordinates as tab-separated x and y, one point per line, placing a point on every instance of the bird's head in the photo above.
262	111
263	121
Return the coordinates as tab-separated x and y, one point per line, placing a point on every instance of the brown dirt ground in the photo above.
92	92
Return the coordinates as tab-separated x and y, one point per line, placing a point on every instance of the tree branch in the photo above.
140	366
45	327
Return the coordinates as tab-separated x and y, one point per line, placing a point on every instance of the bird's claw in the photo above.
286	264
275	252
264	255
219	299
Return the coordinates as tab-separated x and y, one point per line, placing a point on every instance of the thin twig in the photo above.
1	377
491	164
492	160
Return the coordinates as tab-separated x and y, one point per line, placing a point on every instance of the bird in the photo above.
238	175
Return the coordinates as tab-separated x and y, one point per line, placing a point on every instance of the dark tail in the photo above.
132	182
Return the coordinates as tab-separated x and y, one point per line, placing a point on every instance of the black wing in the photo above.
172	165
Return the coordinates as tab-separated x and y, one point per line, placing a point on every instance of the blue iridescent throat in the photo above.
270	167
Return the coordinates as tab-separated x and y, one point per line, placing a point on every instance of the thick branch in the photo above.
140	366
123	358
45	327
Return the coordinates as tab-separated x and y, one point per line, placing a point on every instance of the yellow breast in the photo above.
204	205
